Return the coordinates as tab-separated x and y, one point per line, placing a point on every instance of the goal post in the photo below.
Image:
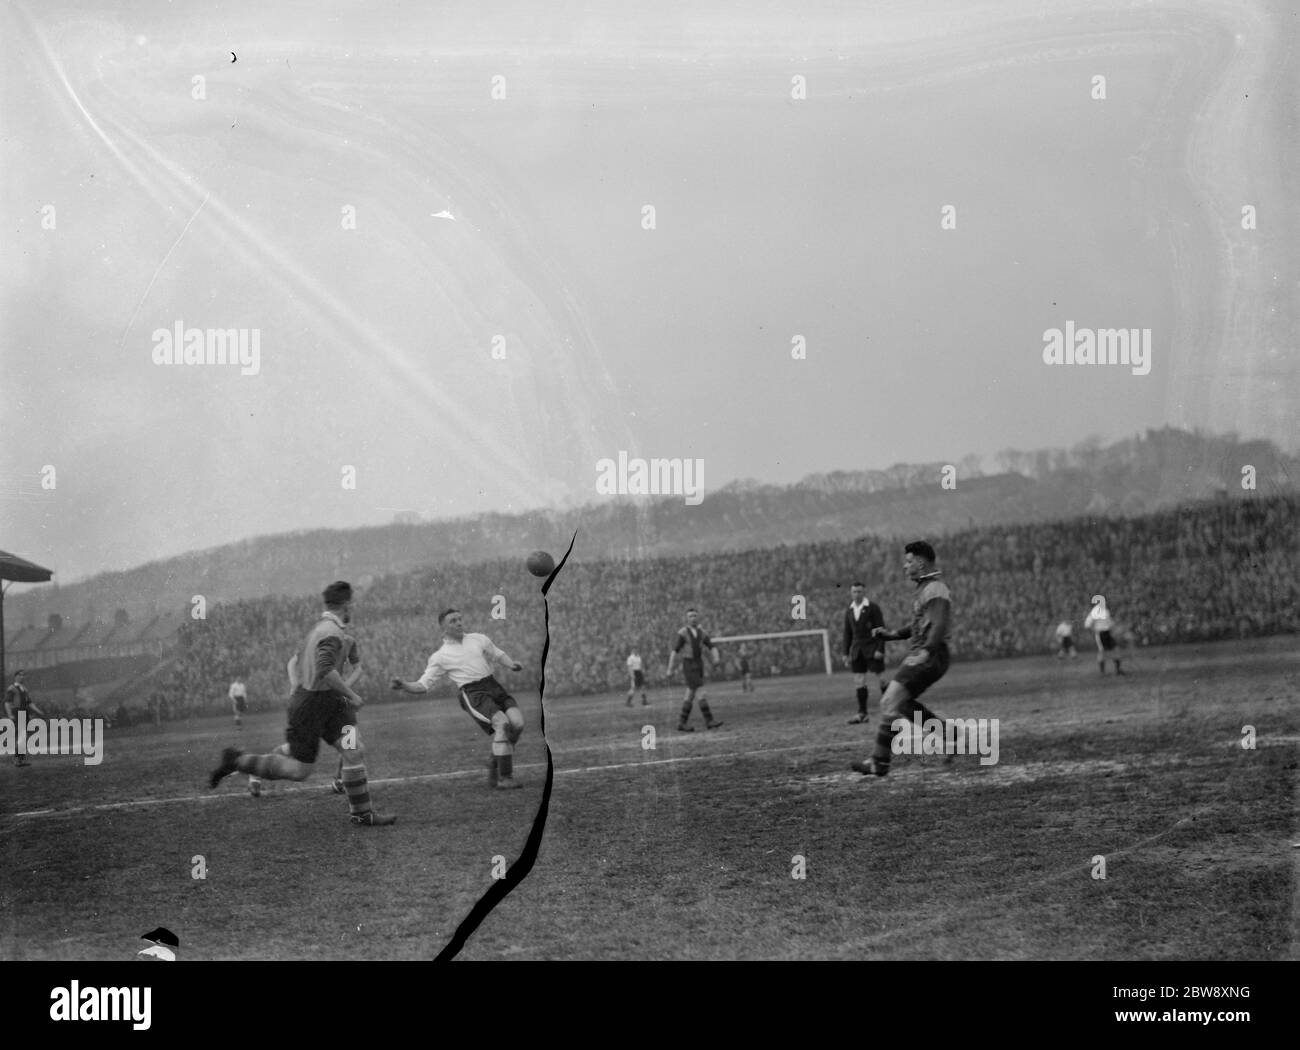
778	635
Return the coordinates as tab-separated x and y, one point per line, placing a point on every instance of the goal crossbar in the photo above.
826	641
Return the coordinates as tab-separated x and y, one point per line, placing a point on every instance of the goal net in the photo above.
784	652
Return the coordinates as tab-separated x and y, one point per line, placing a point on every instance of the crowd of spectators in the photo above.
1220	570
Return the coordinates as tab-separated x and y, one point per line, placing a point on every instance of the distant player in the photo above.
322	707
742	665
696	643
927	656
467	659
17	698
1065	641
864	653
239	701
636	678
1099	621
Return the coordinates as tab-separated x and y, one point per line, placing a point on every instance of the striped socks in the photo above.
358	791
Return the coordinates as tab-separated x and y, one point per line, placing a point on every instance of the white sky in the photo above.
775	217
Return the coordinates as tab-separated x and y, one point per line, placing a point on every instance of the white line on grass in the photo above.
291	786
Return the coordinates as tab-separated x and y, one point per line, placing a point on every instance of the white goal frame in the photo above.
826	641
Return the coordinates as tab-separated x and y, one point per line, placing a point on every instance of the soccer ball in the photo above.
540	563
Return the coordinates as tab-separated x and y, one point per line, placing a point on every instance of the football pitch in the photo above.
690	849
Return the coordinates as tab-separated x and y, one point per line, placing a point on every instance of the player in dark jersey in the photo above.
927	655
17	698
696	643
322	707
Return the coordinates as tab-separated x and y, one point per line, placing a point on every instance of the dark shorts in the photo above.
693	672
863	662
481	699
917	678
1067	643
744	667
314	717
1106	641
638	679
241	704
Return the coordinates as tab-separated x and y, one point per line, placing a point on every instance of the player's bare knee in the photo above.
500	728
894	701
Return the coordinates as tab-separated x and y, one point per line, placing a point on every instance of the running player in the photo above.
864	653
1099	621
696	642
467	660
636	675
927	657
323	706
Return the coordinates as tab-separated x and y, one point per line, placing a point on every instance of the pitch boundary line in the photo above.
294	788
291	787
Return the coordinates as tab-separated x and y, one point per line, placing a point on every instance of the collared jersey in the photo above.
463	662
634	663
325	650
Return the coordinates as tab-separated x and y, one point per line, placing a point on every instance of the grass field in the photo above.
685	851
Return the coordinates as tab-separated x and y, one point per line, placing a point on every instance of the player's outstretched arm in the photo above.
407	687
508	661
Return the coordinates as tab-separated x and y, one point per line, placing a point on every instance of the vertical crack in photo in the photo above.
519	870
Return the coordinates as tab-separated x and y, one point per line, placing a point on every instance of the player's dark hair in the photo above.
444	614
337	593
691	609
859	583
921	549
21	670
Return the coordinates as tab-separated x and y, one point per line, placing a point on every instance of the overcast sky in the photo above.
296	191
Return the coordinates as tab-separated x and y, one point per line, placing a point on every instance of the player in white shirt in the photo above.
636	675
239	701
1099	622
1065	641
467	659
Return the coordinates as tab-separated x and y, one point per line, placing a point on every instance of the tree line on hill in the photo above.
1216	570
1162	468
